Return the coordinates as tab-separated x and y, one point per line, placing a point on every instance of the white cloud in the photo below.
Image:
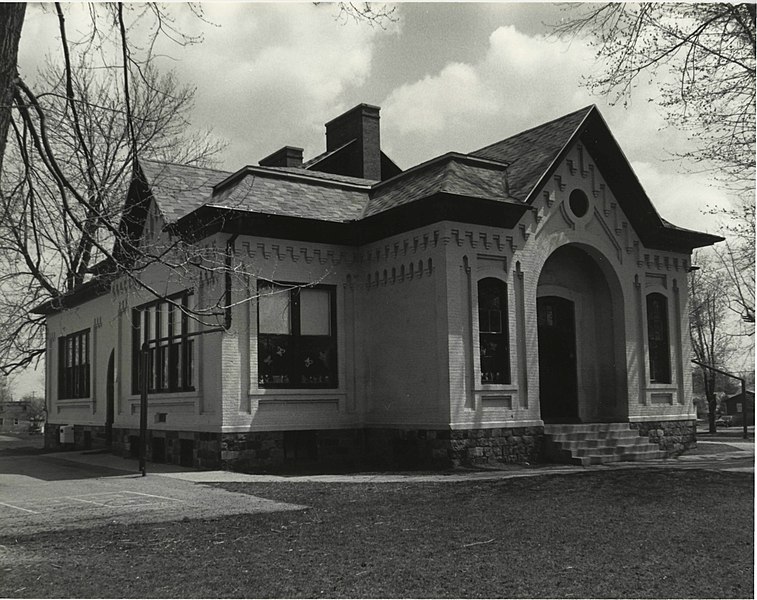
684	199
290	62
521	81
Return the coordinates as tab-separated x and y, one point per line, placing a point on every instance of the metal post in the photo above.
144	358
744	407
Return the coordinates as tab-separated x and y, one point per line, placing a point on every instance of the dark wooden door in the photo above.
558	389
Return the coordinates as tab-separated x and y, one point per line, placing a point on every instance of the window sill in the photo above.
326	392
495	387
165	396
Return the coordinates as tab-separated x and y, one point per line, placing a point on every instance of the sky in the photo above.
448	77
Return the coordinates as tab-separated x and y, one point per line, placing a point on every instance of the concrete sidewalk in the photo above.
742	450
68	490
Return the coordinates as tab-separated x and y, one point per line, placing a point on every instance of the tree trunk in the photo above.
11	21
712	401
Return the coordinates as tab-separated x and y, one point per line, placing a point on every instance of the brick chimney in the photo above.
288	156
361	124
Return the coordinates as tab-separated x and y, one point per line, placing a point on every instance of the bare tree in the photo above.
5	389
737	260
11	23
700	57
71	154
711	342
77	139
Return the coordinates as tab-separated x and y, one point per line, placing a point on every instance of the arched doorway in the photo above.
110	399
581	337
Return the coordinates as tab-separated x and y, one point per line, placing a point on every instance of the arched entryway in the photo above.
581	336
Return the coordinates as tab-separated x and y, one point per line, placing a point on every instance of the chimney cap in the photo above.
287	156
365	109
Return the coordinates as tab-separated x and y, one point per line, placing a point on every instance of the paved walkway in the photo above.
71	490
68	490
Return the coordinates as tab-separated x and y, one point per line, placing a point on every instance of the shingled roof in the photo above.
455	174
531	153
179	189
509	172
291	192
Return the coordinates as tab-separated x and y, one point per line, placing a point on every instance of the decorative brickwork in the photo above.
672	436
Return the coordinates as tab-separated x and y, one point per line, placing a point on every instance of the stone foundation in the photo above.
318	450
450	448
86	437
674	437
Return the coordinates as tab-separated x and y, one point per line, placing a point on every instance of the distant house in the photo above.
734	407
472	308
16	417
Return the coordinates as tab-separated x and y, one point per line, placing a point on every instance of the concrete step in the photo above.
603	443
551	428
593	435
597	443
602	459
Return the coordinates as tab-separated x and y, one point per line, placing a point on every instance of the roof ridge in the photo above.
585	109
178	164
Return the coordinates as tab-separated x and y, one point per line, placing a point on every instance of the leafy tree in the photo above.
701	58
711	342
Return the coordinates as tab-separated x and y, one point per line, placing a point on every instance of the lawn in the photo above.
626	533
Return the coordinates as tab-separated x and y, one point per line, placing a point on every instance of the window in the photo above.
73	365
492	327
170	353
659	344
579	203
296	336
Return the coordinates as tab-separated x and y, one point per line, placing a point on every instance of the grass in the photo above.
633	534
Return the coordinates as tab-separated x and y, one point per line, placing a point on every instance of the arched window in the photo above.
659	339
492	327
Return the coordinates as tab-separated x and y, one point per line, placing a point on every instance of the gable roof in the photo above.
531	153
179	189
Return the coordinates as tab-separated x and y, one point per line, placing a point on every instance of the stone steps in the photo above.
597	443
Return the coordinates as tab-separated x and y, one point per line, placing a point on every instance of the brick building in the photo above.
477	307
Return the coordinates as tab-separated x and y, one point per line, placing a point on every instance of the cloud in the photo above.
521	81
292	62
682	198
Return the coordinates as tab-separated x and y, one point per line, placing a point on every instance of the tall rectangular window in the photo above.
296	336
493	334
659	340
73	365
164	325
